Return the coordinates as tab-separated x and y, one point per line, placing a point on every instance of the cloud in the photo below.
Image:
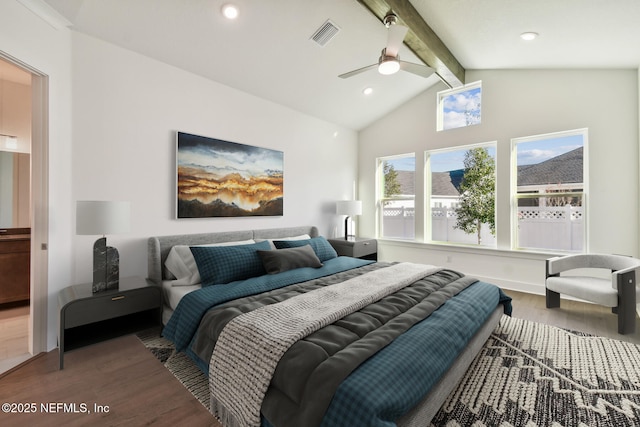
461	109
536	155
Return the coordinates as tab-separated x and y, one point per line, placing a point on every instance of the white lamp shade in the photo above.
102	217
349	207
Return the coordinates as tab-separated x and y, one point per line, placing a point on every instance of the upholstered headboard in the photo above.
159	246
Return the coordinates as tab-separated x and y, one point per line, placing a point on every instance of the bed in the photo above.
373	343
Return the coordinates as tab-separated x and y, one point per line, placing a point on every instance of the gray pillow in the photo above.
279	260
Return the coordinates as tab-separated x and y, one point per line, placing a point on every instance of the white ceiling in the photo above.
267	51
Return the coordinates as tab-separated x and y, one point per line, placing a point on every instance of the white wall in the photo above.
118	143
34	42
517	103
126	110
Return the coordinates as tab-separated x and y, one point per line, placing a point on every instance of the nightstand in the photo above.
358	248
86	318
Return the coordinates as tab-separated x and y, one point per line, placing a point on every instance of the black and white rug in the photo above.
179	364
526	375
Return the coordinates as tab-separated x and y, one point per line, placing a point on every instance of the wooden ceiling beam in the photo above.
421	39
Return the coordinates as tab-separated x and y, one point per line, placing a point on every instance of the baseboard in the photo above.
24	362
528	288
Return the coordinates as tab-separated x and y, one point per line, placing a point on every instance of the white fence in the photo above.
559	228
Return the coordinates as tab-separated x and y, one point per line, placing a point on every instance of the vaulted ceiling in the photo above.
268	51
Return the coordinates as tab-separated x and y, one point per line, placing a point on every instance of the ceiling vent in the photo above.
325	33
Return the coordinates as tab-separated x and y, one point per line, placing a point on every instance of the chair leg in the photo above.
626	303
553	299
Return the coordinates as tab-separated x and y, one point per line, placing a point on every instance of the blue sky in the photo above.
452	160
529	153
533	152
403	163
456	105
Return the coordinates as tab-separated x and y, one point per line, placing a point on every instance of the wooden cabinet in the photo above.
15	255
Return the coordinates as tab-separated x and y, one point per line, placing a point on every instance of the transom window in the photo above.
460	107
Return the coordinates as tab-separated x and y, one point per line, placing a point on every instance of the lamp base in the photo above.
348	236
106	267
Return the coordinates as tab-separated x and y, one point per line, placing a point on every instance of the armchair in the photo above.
618	292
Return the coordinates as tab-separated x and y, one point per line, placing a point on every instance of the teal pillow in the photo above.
320	245
224	264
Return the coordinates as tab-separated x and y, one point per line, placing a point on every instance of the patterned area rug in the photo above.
526	375
179	364
529	374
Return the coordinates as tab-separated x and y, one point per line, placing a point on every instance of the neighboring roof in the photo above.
565	168
562	169
407	182
442	184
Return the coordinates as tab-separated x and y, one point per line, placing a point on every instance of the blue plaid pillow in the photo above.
224	264
320	245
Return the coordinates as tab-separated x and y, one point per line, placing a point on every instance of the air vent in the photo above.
325	33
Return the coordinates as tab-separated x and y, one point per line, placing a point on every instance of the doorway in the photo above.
23	172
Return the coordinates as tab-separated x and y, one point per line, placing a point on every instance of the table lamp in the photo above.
348	208
102	218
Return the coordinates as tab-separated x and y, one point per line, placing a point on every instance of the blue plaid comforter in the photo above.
185	320
386	386
390	384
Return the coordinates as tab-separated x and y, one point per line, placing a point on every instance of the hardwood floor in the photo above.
590	318
120	374
14	336
123	375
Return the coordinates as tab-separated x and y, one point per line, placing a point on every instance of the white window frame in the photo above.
584	132
428	220
381	199
448	92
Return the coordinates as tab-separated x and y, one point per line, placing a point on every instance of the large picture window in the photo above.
396	197
549	191
461	184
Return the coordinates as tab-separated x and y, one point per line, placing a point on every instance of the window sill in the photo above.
468	249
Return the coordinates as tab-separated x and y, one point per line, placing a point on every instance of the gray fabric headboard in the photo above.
158	247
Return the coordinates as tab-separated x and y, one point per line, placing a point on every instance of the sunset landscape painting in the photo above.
217	178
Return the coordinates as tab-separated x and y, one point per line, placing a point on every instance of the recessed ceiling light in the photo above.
230	11
528	36
367	91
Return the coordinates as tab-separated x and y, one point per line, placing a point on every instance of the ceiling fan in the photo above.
389	61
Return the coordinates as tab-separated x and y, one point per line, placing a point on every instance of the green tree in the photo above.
391	183
477	201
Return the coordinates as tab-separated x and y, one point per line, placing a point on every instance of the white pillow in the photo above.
300	237
182	265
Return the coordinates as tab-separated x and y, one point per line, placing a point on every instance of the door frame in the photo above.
39	265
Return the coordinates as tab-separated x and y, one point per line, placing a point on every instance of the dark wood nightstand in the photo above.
86	318
358	248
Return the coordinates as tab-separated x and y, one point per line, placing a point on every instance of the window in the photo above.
461	185
460	107
549	191
396	197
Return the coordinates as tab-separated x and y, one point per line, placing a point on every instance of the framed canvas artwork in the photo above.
217	178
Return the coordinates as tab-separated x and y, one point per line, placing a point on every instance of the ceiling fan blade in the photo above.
417	69
395	39
358	71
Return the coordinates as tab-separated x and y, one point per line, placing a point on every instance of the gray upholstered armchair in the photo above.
618	292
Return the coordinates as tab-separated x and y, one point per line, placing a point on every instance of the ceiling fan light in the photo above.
388	66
